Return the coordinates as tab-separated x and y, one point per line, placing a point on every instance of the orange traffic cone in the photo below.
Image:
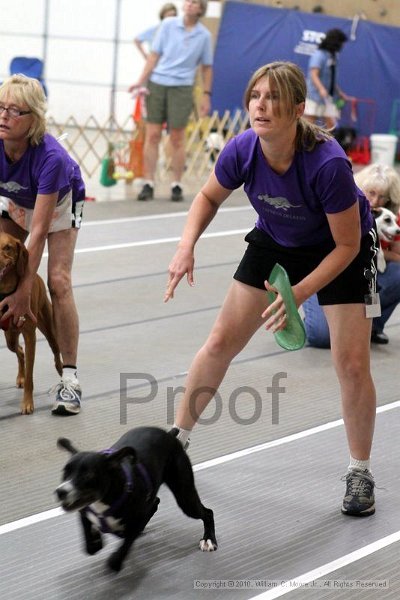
137	143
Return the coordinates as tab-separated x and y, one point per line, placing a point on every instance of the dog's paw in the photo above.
207	545
114	562
27	408
154	508
94	546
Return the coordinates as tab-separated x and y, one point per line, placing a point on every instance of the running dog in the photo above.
115	491
13	262
388	230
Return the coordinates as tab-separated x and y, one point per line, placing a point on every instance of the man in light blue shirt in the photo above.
181	44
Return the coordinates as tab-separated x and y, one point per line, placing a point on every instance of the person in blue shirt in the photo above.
323	91
180	46
143	40
381	186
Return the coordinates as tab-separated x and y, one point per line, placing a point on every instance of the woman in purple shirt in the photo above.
312	220
42	194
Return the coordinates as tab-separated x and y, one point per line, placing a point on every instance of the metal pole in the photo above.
45	34
115	58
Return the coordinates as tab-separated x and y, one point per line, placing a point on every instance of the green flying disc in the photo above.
293	337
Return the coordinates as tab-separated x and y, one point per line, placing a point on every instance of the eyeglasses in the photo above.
13	112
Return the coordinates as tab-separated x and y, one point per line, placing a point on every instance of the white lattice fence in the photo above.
90	142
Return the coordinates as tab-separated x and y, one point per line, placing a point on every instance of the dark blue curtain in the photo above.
251	35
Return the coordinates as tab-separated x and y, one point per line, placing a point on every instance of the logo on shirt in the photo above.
12	186
278	202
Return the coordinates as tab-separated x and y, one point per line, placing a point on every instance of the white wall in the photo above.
79	42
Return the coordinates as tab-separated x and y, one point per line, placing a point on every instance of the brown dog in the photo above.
13	261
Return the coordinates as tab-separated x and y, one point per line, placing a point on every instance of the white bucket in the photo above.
383	148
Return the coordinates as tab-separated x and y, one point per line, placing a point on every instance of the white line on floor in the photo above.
156	242
55	512
160	216
32	520
292	585
267	445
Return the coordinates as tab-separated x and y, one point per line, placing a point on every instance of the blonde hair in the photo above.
290	83
382	178
26	91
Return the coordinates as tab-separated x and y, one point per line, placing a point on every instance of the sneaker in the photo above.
175	432
68	398
359	500
147	192
176	193
378	337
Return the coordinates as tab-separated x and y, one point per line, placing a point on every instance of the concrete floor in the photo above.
272	480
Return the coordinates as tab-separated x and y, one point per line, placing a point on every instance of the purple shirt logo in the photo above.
12	186
278	202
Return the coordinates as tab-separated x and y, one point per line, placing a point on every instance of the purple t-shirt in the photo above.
43	169
292	207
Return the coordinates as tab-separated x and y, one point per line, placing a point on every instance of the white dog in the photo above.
214	144
388	230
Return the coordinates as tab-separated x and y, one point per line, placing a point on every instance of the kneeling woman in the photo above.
381	185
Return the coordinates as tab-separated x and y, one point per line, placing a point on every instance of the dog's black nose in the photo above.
61	493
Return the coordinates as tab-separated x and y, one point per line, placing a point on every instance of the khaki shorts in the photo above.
169	104
67	215
323	109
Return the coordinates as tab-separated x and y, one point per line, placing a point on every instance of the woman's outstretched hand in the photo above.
181	264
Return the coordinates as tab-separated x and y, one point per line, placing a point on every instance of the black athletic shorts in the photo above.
350	287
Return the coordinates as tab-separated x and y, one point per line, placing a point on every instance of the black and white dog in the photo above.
115	491
214	144
388	229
